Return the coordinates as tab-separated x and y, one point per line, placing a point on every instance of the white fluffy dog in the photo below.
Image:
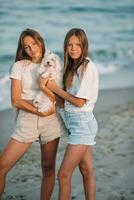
50	67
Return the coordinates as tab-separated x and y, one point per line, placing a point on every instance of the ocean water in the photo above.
109	26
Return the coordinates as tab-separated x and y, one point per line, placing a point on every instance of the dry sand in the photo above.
113	153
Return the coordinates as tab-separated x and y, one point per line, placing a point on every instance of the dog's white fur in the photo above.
50	67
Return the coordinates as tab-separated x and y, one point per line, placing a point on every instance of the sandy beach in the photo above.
113	153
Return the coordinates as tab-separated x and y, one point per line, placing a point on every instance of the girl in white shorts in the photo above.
80	94
30	124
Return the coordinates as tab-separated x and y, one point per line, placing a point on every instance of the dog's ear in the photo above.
48	52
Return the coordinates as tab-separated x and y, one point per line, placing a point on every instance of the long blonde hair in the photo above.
70	68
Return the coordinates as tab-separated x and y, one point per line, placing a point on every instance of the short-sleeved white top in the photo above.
26	71
85	87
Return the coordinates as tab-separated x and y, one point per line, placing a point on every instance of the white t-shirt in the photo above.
26	71
85	87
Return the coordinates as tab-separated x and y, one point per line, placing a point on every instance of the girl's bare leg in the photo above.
8	158
73	156
86	169
48	154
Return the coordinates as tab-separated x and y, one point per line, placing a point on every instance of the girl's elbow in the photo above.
16	103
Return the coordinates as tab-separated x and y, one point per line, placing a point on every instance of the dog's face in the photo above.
49	60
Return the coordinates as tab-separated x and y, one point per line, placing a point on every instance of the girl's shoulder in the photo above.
90	62
22	63
19	66
91	65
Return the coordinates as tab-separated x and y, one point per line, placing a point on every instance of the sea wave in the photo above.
4	79
107	68
108	25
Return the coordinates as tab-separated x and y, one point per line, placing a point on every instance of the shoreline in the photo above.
108	93
113	153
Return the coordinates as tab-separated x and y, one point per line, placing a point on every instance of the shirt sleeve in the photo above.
15	71
89	84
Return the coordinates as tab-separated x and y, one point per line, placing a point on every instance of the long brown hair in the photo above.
70	68
20	53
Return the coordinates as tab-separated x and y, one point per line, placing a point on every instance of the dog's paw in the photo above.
35	103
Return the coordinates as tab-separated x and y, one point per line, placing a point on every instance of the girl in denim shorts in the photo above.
80	94
30	123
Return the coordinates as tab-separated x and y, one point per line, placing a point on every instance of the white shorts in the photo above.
30	127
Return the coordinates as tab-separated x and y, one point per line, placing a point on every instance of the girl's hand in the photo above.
50	112
42	83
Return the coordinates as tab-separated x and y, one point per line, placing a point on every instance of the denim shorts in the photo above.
82	127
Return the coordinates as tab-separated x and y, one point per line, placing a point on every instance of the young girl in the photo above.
80	95
31	124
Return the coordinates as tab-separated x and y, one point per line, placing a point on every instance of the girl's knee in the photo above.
48	169
63	175
86	171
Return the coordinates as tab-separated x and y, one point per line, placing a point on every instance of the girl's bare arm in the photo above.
42	84
23	104
79	102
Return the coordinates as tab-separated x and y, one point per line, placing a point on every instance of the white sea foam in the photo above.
4	80
4	92
107	69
